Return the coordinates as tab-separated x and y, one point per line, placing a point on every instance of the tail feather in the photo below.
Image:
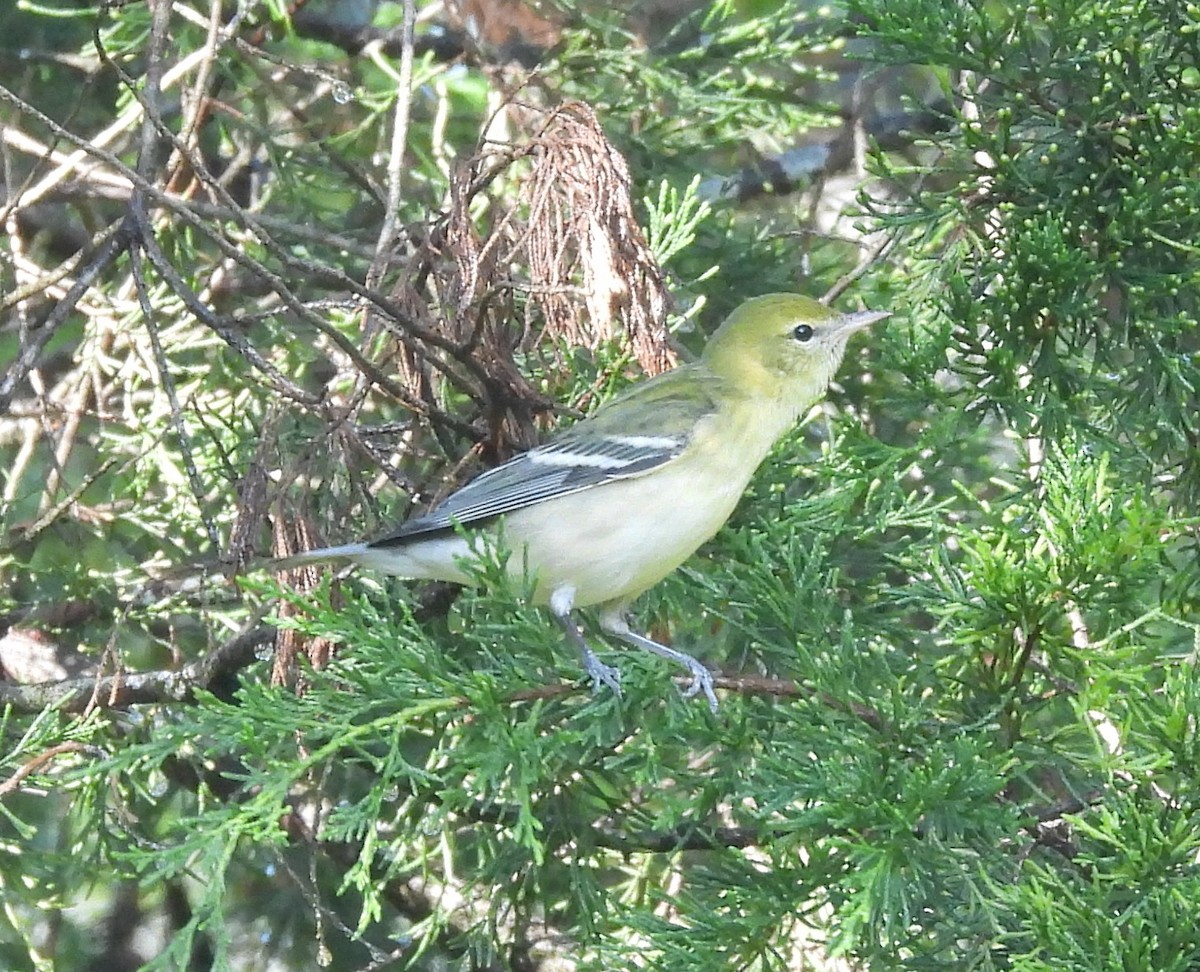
347	551
436	558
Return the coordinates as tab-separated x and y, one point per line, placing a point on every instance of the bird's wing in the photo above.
644	429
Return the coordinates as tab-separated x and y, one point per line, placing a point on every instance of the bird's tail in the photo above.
322	555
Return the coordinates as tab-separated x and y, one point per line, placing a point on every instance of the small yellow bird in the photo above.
606	509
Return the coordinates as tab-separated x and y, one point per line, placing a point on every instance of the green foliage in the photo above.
957	610
1071	190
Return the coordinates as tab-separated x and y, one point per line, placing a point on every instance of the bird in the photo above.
604	510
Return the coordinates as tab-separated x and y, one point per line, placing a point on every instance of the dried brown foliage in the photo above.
558	235
416	372
540	248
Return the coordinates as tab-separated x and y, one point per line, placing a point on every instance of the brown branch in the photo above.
45	520
26	769
406	329
868	259
97	262
738	684
165	376
686	836
49	278
784	688
124	689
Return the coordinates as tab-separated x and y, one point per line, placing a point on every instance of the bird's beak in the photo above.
860	319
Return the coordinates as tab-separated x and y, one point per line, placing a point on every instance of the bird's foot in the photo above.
702	681
613	622
601	674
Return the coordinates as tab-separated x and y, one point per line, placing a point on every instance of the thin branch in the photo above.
739	685
95	146
124	689
51	514
869	258
396	167
236	340
32	766
430	343
149	318
31	351
47	280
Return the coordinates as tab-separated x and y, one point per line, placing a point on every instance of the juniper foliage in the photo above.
959	606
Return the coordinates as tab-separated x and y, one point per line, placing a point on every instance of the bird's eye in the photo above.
802	332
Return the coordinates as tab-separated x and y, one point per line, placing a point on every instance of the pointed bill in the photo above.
860	319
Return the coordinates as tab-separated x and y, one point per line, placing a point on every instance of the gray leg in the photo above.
601	674
614	623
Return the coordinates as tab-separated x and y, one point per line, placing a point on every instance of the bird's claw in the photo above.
702	681
602	674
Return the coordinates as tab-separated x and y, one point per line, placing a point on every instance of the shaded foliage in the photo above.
303	277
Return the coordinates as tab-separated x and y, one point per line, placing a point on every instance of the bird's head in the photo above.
784	345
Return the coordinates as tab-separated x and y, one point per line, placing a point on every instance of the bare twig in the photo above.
51	514
41	759
99	261
869	258
399	145
133	688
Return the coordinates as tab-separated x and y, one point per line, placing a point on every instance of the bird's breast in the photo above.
614	541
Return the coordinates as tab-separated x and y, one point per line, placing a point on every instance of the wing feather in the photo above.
642	430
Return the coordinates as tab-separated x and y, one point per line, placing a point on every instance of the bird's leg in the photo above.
601	674
613	622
